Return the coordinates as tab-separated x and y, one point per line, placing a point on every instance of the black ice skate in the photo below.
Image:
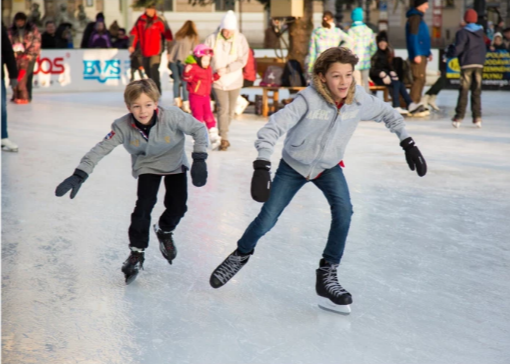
167	247
332	296
132	265
229	267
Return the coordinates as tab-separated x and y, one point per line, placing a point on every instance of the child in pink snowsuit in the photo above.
199	77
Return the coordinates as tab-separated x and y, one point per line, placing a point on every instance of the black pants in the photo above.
470	80
151	67
175	206
438	85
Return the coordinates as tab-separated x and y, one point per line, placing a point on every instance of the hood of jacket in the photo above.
322	89
474	28
414	11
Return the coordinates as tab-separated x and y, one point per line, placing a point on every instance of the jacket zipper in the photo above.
197	87
325	137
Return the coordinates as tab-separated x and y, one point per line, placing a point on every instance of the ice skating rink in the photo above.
427	259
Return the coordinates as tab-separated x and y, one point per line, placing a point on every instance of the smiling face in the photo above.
143	108
338	79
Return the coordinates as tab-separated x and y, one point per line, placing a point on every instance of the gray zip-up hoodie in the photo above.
318	133
163	152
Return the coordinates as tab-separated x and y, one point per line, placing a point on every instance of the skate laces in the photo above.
331	282
230	267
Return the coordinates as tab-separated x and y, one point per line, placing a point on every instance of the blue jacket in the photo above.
317	133
469	46
418	41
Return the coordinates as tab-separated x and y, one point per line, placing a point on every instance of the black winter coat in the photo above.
8	56
379	63
469	47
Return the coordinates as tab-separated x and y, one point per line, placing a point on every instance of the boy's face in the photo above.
497	40
424	7
338	79
143	109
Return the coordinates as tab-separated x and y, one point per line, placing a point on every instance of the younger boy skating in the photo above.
319	124
155	138
199	78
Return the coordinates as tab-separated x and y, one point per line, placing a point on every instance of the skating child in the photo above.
199	77
155	138
319	124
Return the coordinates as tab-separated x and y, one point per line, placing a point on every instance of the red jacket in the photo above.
199	80
249	71
149	32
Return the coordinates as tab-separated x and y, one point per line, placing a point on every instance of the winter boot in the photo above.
9	146
224	144
332	296
432	102
186	107
178	102
214	138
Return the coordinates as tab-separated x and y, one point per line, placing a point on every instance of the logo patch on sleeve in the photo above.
110	135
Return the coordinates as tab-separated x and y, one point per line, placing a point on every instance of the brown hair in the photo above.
329	16
333	55
136	88
188	30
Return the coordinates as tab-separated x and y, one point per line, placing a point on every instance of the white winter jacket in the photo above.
231	54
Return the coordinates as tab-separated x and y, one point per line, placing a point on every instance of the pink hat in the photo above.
202	50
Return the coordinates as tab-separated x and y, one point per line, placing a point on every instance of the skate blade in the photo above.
327	305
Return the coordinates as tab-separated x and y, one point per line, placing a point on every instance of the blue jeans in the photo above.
4	111
177	69
397	88
285	185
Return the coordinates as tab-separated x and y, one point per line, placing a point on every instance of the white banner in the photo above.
74	70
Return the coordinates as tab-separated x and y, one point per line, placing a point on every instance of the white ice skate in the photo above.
214	139
9	146
402	111
328	305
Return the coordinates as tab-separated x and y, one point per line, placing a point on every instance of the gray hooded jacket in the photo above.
318	133
162	153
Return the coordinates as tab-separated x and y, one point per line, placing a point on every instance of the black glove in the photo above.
199	169
414	157
74	182
261	181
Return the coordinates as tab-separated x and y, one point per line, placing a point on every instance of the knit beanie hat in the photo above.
357	14
417	3
229	21
470	16
382	37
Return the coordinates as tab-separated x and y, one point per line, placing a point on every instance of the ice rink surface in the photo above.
427	259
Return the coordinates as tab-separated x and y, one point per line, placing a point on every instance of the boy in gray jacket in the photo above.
319	124
155	138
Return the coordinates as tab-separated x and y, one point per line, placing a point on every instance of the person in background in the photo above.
26	44
9	62
383	73
490	31
364	47
100	38
65	36
498	43
150	31
505	32
136	64
182	46
122	41
418	43
324	37
250	70
113	30
470	49
230	56
89	29
49	37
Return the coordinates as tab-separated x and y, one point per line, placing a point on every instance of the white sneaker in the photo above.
214	138
9	146
186	107
402	111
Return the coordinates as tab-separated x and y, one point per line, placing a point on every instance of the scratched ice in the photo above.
427	259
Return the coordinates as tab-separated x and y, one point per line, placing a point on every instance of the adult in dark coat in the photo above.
89	29
49	37
8	60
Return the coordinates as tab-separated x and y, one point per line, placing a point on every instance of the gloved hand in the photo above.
13	82
414	157
74	182
261	181
199	169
